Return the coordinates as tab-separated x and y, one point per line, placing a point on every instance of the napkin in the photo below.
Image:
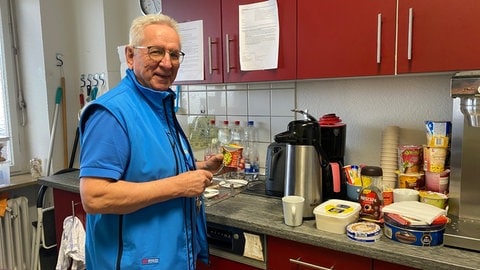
423	213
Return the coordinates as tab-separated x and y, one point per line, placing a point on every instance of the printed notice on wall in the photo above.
259	35
191	34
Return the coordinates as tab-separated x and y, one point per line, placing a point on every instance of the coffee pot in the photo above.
333	136
304	159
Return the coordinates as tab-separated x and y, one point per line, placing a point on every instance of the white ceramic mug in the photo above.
293	210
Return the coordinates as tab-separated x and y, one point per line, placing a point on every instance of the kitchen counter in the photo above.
19	181
264	215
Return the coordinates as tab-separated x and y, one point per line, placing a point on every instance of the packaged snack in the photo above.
438	133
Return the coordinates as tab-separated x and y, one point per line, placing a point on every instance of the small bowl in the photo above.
437	199
405	194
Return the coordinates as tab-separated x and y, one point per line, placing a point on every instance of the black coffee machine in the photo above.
331	148
333	137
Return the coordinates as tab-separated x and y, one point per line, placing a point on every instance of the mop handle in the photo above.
58	98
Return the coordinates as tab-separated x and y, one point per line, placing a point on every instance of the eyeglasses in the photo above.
157	54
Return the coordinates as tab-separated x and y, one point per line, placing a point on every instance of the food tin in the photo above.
425	235
334	215
367	232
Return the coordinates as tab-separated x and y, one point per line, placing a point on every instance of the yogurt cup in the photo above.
410	158
411	180
434	159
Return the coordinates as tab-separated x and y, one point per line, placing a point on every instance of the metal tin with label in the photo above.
431	235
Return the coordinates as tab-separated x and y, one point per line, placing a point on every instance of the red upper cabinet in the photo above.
287	43
444	35
210	12
221	38
345	38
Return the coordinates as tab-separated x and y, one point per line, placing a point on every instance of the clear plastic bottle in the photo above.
237	134
212	130
251	152
237	139
213	147
224	134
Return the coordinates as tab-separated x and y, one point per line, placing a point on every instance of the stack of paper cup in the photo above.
389	155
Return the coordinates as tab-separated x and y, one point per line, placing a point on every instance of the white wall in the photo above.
78	30
368	105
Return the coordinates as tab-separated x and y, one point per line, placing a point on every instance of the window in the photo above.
11	100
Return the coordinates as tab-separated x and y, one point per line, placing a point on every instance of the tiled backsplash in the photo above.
366	105
267	104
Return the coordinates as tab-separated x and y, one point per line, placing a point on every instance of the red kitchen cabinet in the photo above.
221	39
381	265
287	43
218	263
440	35
66	204
348	38
285	254
210	12
345	38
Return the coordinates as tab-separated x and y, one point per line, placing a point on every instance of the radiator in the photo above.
15	234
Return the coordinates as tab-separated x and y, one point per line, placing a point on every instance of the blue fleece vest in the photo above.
167	235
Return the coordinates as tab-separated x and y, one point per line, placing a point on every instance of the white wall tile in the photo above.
195	87
237	86
244	102
283	101
259	86
217	103
283	85
262	123
237	102
279	124
183	102
259	102
197	102
216	87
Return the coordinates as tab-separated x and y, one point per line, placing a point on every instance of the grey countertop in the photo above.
264	215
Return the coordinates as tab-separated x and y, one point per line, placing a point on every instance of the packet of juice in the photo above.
232	154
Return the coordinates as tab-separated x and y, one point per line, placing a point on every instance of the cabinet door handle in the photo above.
227	51
210	68
309	265
379	38
410	31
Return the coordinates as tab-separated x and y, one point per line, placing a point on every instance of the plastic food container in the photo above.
334	215
437	199
437	182
405	194
425	235
434	159
411	180
366	232
410	158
